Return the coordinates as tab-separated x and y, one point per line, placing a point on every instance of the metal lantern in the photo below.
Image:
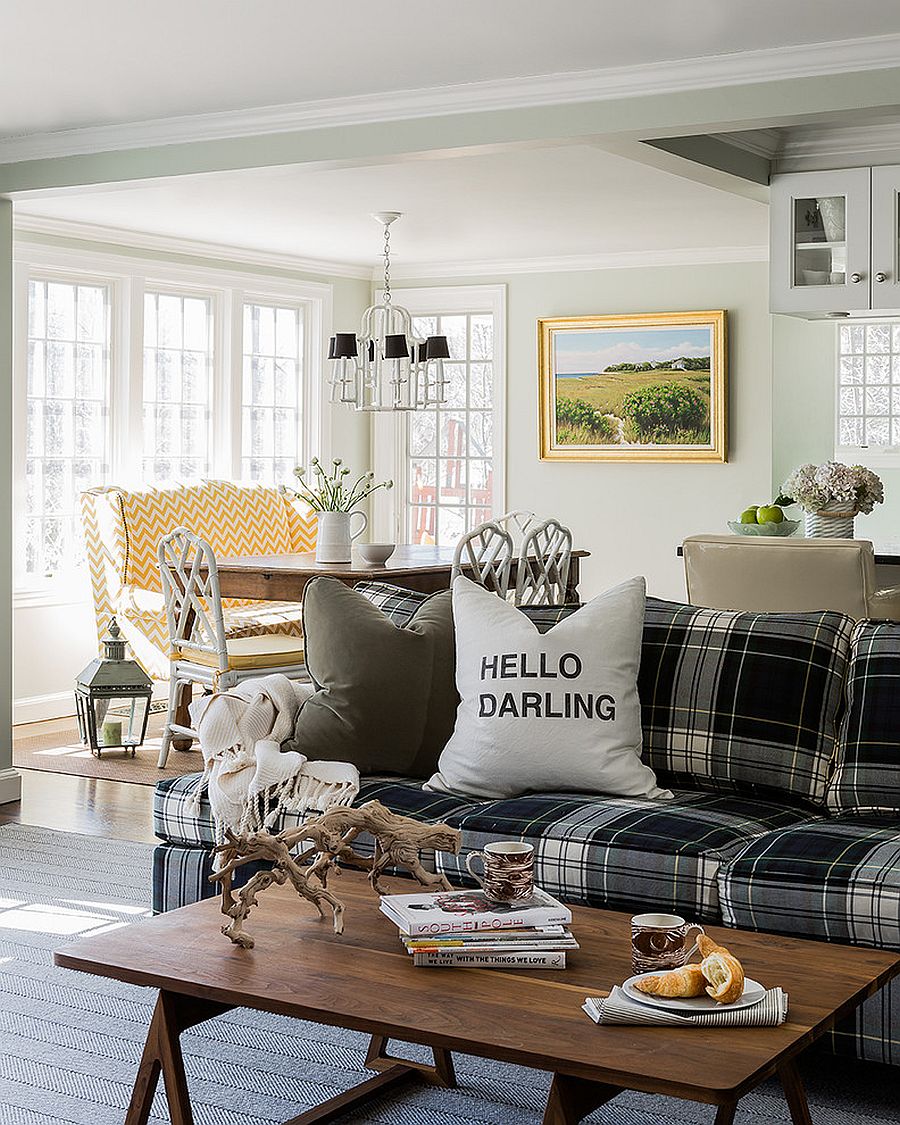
112	699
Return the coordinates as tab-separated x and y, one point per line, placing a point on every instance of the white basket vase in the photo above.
832	521
335	537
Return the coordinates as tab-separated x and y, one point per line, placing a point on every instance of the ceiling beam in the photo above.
680	113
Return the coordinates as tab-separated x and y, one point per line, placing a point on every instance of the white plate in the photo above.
753	993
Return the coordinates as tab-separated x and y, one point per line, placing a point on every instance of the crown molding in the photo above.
37	227
572	263
608	83
839	145
760	142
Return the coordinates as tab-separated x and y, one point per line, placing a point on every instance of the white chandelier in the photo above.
385	366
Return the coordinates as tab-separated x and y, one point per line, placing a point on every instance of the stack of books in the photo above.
466	929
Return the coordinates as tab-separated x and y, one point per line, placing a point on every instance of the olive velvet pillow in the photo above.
386	698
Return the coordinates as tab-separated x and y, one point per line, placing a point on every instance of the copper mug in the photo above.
508	871
662	941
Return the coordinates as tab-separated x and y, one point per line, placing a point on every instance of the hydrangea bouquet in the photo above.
816	487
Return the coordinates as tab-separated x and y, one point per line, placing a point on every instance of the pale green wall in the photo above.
6	327
633	516
803	361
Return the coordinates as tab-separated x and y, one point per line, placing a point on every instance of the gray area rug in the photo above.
70	1043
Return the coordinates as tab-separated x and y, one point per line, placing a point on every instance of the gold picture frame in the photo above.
618	388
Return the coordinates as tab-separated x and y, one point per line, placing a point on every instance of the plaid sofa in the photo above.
776	849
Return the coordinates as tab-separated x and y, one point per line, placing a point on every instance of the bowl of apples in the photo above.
763	519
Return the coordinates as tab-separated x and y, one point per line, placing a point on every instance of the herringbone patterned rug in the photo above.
70	1043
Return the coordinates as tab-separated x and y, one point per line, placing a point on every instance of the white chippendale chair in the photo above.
542	574
200	652
485	555
517	524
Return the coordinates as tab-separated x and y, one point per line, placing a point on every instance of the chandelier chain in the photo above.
387	264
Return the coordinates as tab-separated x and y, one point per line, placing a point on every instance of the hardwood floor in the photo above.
88	805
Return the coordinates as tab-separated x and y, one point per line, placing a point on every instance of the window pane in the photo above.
868	384
270	418
450	467
66	441
178	364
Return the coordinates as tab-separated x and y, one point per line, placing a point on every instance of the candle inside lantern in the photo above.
111	732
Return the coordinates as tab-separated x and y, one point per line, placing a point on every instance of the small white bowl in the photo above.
375	554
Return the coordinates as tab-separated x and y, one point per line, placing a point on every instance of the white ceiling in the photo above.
525	203
92	62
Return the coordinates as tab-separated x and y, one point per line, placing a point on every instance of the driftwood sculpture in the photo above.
398	842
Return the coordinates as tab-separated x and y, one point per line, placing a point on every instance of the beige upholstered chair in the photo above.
201	651
768	575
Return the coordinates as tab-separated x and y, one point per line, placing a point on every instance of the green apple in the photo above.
769	513
749	515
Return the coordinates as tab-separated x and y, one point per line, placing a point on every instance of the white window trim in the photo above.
872	456
127	276
389	430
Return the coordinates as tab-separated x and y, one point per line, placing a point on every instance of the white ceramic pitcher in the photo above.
335	537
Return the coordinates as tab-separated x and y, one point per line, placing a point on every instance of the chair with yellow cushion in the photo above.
200	650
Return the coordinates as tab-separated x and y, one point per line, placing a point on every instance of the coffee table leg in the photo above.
572	1099
795	1093
725	1114
440	1074
162	1055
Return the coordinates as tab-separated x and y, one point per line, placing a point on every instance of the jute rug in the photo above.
56	747
70	1043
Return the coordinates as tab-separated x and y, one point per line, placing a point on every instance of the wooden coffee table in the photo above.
365	980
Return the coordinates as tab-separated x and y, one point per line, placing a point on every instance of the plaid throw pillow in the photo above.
395	602
868	771
742	702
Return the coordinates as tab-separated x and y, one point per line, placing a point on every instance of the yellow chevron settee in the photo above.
122	529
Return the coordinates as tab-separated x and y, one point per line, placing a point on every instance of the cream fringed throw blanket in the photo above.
250	781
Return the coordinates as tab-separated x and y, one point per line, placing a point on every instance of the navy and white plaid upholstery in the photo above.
867	777
395	602
621	852
745	702
836	880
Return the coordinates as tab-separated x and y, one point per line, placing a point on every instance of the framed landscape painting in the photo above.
647	387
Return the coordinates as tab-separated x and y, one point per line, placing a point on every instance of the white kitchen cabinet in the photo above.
885	255
821	236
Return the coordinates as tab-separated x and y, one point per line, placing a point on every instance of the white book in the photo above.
459	912
477	960
527	934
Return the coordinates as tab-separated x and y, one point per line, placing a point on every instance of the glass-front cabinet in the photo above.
820	236
835	242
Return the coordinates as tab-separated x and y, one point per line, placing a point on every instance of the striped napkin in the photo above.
617	1008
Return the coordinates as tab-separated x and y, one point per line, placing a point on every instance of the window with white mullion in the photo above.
66	416
450	450
271	415
868	407
177	387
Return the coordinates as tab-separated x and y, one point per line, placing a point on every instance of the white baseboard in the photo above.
36	708
10	786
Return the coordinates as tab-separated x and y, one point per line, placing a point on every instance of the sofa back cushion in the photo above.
867	777
746	702
233	519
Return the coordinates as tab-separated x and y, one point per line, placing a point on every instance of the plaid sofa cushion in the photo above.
625	853
868	761
743	702
836	880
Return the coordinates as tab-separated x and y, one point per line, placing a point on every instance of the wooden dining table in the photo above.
282	578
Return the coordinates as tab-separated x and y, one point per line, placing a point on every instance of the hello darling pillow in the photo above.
544	712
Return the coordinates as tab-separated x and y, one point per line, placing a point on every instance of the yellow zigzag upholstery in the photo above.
122	529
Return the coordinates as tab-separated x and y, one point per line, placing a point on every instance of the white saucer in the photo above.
753	993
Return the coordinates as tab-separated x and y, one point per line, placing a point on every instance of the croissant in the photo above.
681	983
706	945
725	975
